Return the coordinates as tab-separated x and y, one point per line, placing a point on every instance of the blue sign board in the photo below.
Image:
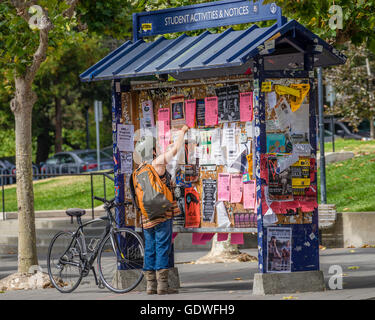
203	16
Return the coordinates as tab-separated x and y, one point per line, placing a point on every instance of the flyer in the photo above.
228	104
126	162
276	143
223	187
178	111
249	195
148	114
279	185
236	188
190	106
164	126
125	137
192	208
279	251
211	111
246	106
200	113
209	199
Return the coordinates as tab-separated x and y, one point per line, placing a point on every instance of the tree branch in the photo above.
70	11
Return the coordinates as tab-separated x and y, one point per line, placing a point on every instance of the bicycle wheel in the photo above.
120	260
64	262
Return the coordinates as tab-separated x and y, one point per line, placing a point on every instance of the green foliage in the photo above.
355	94
358	19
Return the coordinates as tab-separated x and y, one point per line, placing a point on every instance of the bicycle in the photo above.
73	258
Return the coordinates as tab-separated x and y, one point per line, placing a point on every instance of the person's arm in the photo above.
163	159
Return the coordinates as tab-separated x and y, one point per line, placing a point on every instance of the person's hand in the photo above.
185	128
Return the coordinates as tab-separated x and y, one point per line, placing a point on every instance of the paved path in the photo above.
217	281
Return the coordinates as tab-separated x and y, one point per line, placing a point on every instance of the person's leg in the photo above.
163	239
150	260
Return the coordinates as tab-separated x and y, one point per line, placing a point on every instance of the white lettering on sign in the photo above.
207	16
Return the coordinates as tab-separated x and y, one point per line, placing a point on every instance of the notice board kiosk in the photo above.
248	96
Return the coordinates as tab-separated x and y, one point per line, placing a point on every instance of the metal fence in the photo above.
8	177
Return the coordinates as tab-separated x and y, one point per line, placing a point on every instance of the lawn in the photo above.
62	193
351	183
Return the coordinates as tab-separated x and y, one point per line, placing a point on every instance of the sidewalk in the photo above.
224	281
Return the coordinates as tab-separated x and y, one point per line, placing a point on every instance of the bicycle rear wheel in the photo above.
120	260
64	262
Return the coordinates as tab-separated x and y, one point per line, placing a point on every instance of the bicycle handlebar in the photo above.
113	202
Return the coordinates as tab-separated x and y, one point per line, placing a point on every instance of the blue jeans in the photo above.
158	246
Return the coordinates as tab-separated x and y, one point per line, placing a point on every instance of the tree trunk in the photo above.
223	247
58	125
22	106
372	127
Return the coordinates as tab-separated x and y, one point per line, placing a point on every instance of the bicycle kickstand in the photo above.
99	282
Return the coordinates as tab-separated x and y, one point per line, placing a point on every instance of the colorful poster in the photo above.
276	143
192	209
279	251
190	106
178	111
249	195
211	111
191	173
279	185
125	137
301	176
200	113
206	146
236	188
223	185
209	199
246	106
164	126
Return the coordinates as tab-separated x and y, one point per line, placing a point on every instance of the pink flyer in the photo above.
223	184
164	126
246	106
190	106
211	112
236	188
249	195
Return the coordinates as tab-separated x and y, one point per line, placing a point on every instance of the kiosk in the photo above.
249	98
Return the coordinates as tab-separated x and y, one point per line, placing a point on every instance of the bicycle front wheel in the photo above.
64	262
120	260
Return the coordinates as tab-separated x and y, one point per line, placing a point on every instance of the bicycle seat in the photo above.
75	212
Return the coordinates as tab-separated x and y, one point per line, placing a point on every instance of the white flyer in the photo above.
125	137
283	114
222	216
126	162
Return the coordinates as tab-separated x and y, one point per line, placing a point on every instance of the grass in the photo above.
62	193
351	183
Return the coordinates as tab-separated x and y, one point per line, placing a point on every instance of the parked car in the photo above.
108	150
76	162
341	129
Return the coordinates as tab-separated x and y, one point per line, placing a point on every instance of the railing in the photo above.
7	178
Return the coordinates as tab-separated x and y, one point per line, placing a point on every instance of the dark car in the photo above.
341	129
76	162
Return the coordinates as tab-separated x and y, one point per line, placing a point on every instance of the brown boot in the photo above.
151	282
163	286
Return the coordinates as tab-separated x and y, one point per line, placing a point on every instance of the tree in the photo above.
355	99
31	29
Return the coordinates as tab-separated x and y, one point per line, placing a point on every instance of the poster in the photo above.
279	185
191	173
209	199
190	106
164	126
249	194
126	162
228	104
223	187
236	188
178	111
206	147
246	106
192	208
283	114
179	193
148	114
125	137
211	111
200	113
276	143
279	251
301	176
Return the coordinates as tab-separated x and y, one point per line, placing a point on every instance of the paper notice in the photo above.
222	216
223	187
283	114
246	106
148	114
211	111
126	162
217	150
125	137
272	100
236	188
249	195
190	106
164	126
